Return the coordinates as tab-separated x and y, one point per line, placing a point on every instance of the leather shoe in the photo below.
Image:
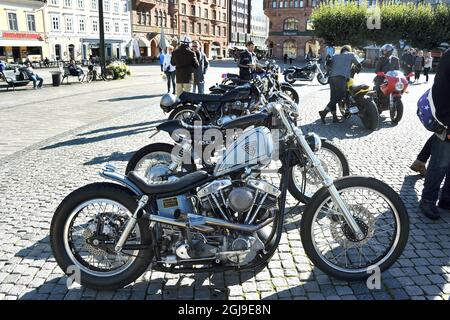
323	114
430	210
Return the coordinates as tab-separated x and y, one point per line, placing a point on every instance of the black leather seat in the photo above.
197	97
189	180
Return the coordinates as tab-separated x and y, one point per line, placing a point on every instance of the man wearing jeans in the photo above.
185	62
439	167
34	77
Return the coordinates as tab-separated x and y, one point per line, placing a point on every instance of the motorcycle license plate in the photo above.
353	110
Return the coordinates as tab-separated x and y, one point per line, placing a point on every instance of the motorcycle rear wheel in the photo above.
327	238
323	80
291	92
289	78
70	250
185	112
368	113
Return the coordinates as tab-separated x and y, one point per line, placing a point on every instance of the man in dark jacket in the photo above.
199	73
439	167
247	62
387	62
185	61
408	61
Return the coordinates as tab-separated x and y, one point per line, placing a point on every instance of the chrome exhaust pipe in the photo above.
210	222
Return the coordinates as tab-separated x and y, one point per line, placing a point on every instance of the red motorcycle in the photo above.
389	98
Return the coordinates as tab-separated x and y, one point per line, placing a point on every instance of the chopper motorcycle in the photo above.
393	87
231	220
306	73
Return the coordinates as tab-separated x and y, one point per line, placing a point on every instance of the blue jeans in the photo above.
36	78
438	170
199	87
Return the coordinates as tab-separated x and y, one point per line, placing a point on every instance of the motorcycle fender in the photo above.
122	179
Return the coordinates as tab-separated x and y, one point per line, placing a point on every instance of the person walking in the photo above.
428	65
408	62
185	62
439	166
290	60
285	58
169	70
340	70
199	73
419	62
161	60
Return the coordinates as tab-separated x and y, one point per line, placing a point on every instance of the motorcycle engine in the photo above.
231	111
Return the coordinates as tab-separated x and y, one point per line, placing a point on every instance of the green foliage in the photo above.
421	25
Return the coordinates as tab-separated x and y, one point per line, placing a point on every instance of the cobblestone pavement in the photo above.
34	182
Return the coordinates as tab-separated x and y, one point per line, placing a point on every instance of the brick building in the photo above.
289	29
207	21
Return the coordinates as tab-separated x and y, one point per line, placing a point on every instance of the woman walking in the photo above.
428	65
170	70
418	65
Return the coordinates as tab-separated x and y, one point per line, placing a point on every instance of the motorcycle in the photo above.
306	73
395	84
160	161
359	101
231	220
213	108
270	76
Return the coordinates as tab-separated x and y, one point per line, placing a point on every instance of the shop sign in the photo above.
20	35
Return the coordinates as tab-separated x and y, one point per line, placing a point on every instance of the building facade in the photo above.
259	25
148	18
206	21
290	30
239	22
22	31
73	29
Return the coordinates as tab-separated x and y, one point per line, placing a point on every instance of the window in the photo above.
94	25
224	31
126	28
69	24
224	17
106	5
192	26
116	27
80	4
116	6
12	20
107	26
67	3
81	25
199	28
94	5
205	14
290	24
54	2
206	28
183	8
125	6
290	48
192	10
31	22
55	23
183	26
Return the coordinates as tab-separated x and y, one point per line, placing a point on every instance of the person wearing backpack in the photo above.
439	166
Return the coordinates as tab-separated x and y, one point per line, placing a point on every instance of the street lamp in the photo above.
102	37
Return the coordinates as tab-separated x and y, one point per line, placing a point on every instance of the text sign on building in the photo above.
290	33
20	35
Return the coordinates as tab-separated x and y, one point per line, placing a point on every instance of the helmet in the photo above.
346	48
387	50
167	101
186	40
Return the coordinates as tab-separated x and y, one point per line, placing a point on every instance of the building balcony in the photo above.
173	6
150	3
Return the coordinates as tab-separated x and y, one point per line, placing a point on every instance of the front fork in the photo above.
328	182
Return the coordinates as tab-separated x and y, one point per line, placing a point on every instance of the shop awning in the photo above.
143	42
20	43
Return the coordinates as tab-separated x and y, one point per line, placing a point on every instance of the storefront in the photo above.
20	46
114	49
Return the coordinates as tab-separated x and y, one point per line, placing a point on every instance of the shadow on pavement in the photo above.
137	129
115	156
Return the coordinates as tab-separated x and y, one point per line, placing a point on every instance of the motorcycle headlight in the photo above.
399	86
314	141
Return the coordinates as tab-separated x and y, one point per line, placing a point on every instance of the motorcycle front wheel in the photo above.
329	241
291	92
83	224
396	111
187	113
333	161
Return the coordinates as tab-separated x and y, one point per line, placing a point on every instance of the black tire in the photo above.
291	92
294	189
109	191
151	148
397	112
322	79
368	113
289	77
323	194
190	108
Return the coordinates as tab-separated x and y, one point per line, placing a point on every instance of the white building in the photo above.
72	28
259	24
